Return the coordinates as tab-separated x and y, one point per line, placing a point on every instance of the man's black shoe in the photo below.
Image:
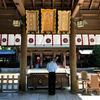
51	93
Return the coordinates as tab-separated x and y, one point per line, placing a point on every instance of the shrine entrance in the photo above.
53	17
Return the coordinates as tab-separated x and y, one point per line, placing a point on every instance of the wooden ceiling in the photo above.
37	4
90	10
91	4
8	11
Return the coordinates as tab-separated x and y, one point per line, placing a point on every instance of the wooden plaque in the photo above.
32	21
48	20
64	21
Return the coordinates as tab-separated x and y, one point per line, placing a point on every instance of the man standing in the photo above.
52	67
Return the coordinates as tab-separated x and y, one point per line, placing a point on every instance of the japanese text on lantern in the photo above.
48	21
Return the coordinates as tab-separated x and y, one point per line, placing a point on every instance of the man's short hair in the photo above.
51	59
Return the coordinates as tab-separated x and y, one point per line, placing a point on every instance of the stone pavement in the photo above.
42	94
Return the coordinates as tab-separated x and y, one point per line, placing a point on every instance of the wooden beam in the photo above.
7	11
1	7
7	1
43	3
53	4
62	4
33	4
39	8
90	15
20	7
9	17
91	4
8	27
88	12
10	31
4	4
38	49
77	18
86	2
99	6
76	7
72	4
23	1
87	31
47	52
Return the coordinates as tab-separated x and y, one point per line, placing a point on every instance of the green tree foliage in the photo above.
7	48
94	58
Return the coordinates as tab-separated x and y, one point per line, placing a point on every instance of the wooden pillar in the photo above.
54	56
3	59
61	58
33	57
64	60
23	57
17	54
73	68
78	58
67	58
31	60
41	59
78	54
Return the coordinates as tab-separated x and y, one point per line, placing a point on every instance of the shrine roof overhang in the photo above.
85	52
90	10
7	52
8	11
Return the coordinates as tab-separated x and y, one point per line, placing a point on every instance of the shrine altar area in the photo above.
38	78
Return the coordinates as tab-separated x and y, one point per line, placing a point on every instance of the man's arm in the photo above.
56	66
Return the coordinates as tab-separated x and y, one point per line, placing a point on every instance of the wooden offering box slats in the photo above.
40	79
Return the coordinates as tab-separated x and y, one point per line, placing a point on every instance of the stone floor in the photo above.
42	94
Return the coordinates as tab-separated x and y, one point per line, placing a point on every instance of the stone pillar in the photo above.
31	62
41	59
73	68
64	60
23	57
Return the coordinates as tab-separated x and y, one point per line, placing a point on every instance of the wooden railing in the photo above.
10	82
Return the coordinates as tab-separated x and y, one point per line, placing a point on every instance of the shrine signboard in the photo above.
48	21
64	21
32	21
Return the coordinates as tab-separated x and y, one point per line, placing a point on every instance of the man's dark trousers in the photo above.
52	78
